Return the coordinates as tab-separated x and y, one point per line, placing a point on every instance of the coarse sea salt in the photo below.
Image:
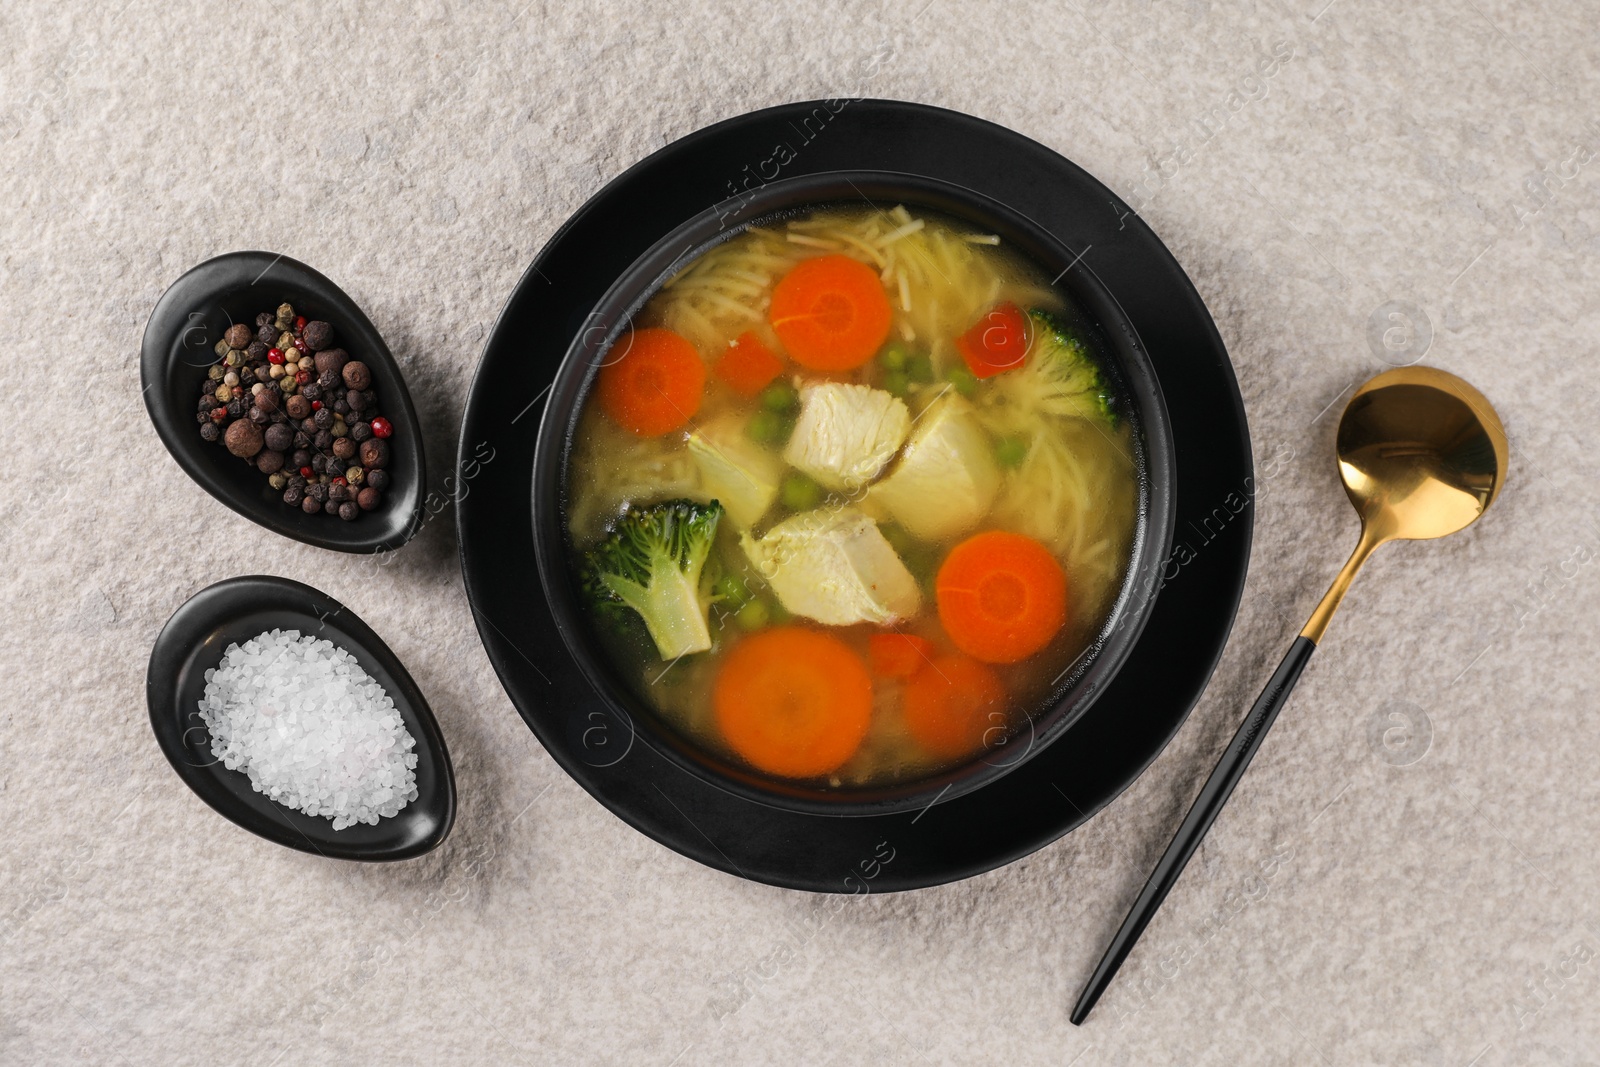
310	728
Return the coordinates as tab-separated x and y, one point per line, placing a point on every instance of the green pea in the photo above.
920	367
896	382
1010	451
780	397
895	357
766	427
799	493
753	616
962	379
733	591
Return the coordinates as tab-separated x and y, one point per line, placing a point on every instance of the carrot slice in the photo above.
793	701
652	381
997	343
1002	596
954	705
748	366
831	313
897	655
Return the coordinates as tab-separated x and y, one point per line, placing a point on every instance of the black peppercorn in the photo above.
310	504
302	440
264	319
356	399
279	437
328	379
300	458
349	511
341	407
378	479
317	334
361	431
267	335
371	396
207	402
259	417
319	463
208	430
267	399
307	425
256	352
343	447
317	491
311	391
236	408
323	440
339	492
294	494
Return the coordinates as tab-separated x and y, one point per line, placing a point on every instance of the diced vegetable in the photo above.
834	566
793	701
953	704
846	433
651	382
1061	376
946	478
1002	596
748	365
898	655
651	564
831	313
733	469
997	342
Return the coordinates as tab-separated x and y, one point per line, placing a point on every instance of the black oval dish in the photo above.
189	320
1121	355
235	610
1104	751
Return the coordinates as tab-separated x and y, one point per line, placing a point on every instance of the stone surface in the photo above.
1406	874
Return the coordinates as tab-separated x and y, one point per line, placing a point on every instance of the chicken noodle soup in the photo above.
853	497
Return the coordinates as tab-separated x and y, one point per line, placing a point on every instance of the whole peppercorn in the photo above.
356	375
302	440
343	447
234	358
332	359
297	480
217	372
278	480
294	494
209	431
302	375
360	431
224	392
288	384
317	491
259	417
256	352
221	347
318	334
310	504
238	335
243	439
371	396
311	391
341	406
235	408
323	441
300	458
381	427
264	319
339	492
375	453
267	335
368	498
349	511
279	437
339	427
378	479
268	461
267	400
207	402
247	376
328	379
356	399
355	475
298	407
319	463
323	417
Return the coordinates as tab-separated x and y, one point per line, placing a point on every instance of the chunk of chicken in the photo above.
734	470
846	433
946	478
833	565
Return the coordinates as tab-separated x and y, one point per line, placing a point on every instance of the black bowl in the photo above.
1122	354
236	610
191	317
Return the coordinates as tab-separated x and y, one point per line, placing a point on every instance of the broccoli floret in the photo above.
651	563
1075	384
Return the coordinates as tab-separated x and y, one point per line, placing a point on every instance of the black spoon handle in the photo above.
1213	795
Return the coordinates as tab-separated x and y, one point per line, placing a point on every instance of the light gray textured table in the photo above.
1415	889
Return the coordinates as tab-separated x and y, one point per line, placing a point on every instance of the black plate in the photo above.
1138	397
192	316
236	610
1103	751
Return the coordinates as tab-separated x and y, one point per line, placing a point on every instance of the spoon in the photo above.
1422	454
